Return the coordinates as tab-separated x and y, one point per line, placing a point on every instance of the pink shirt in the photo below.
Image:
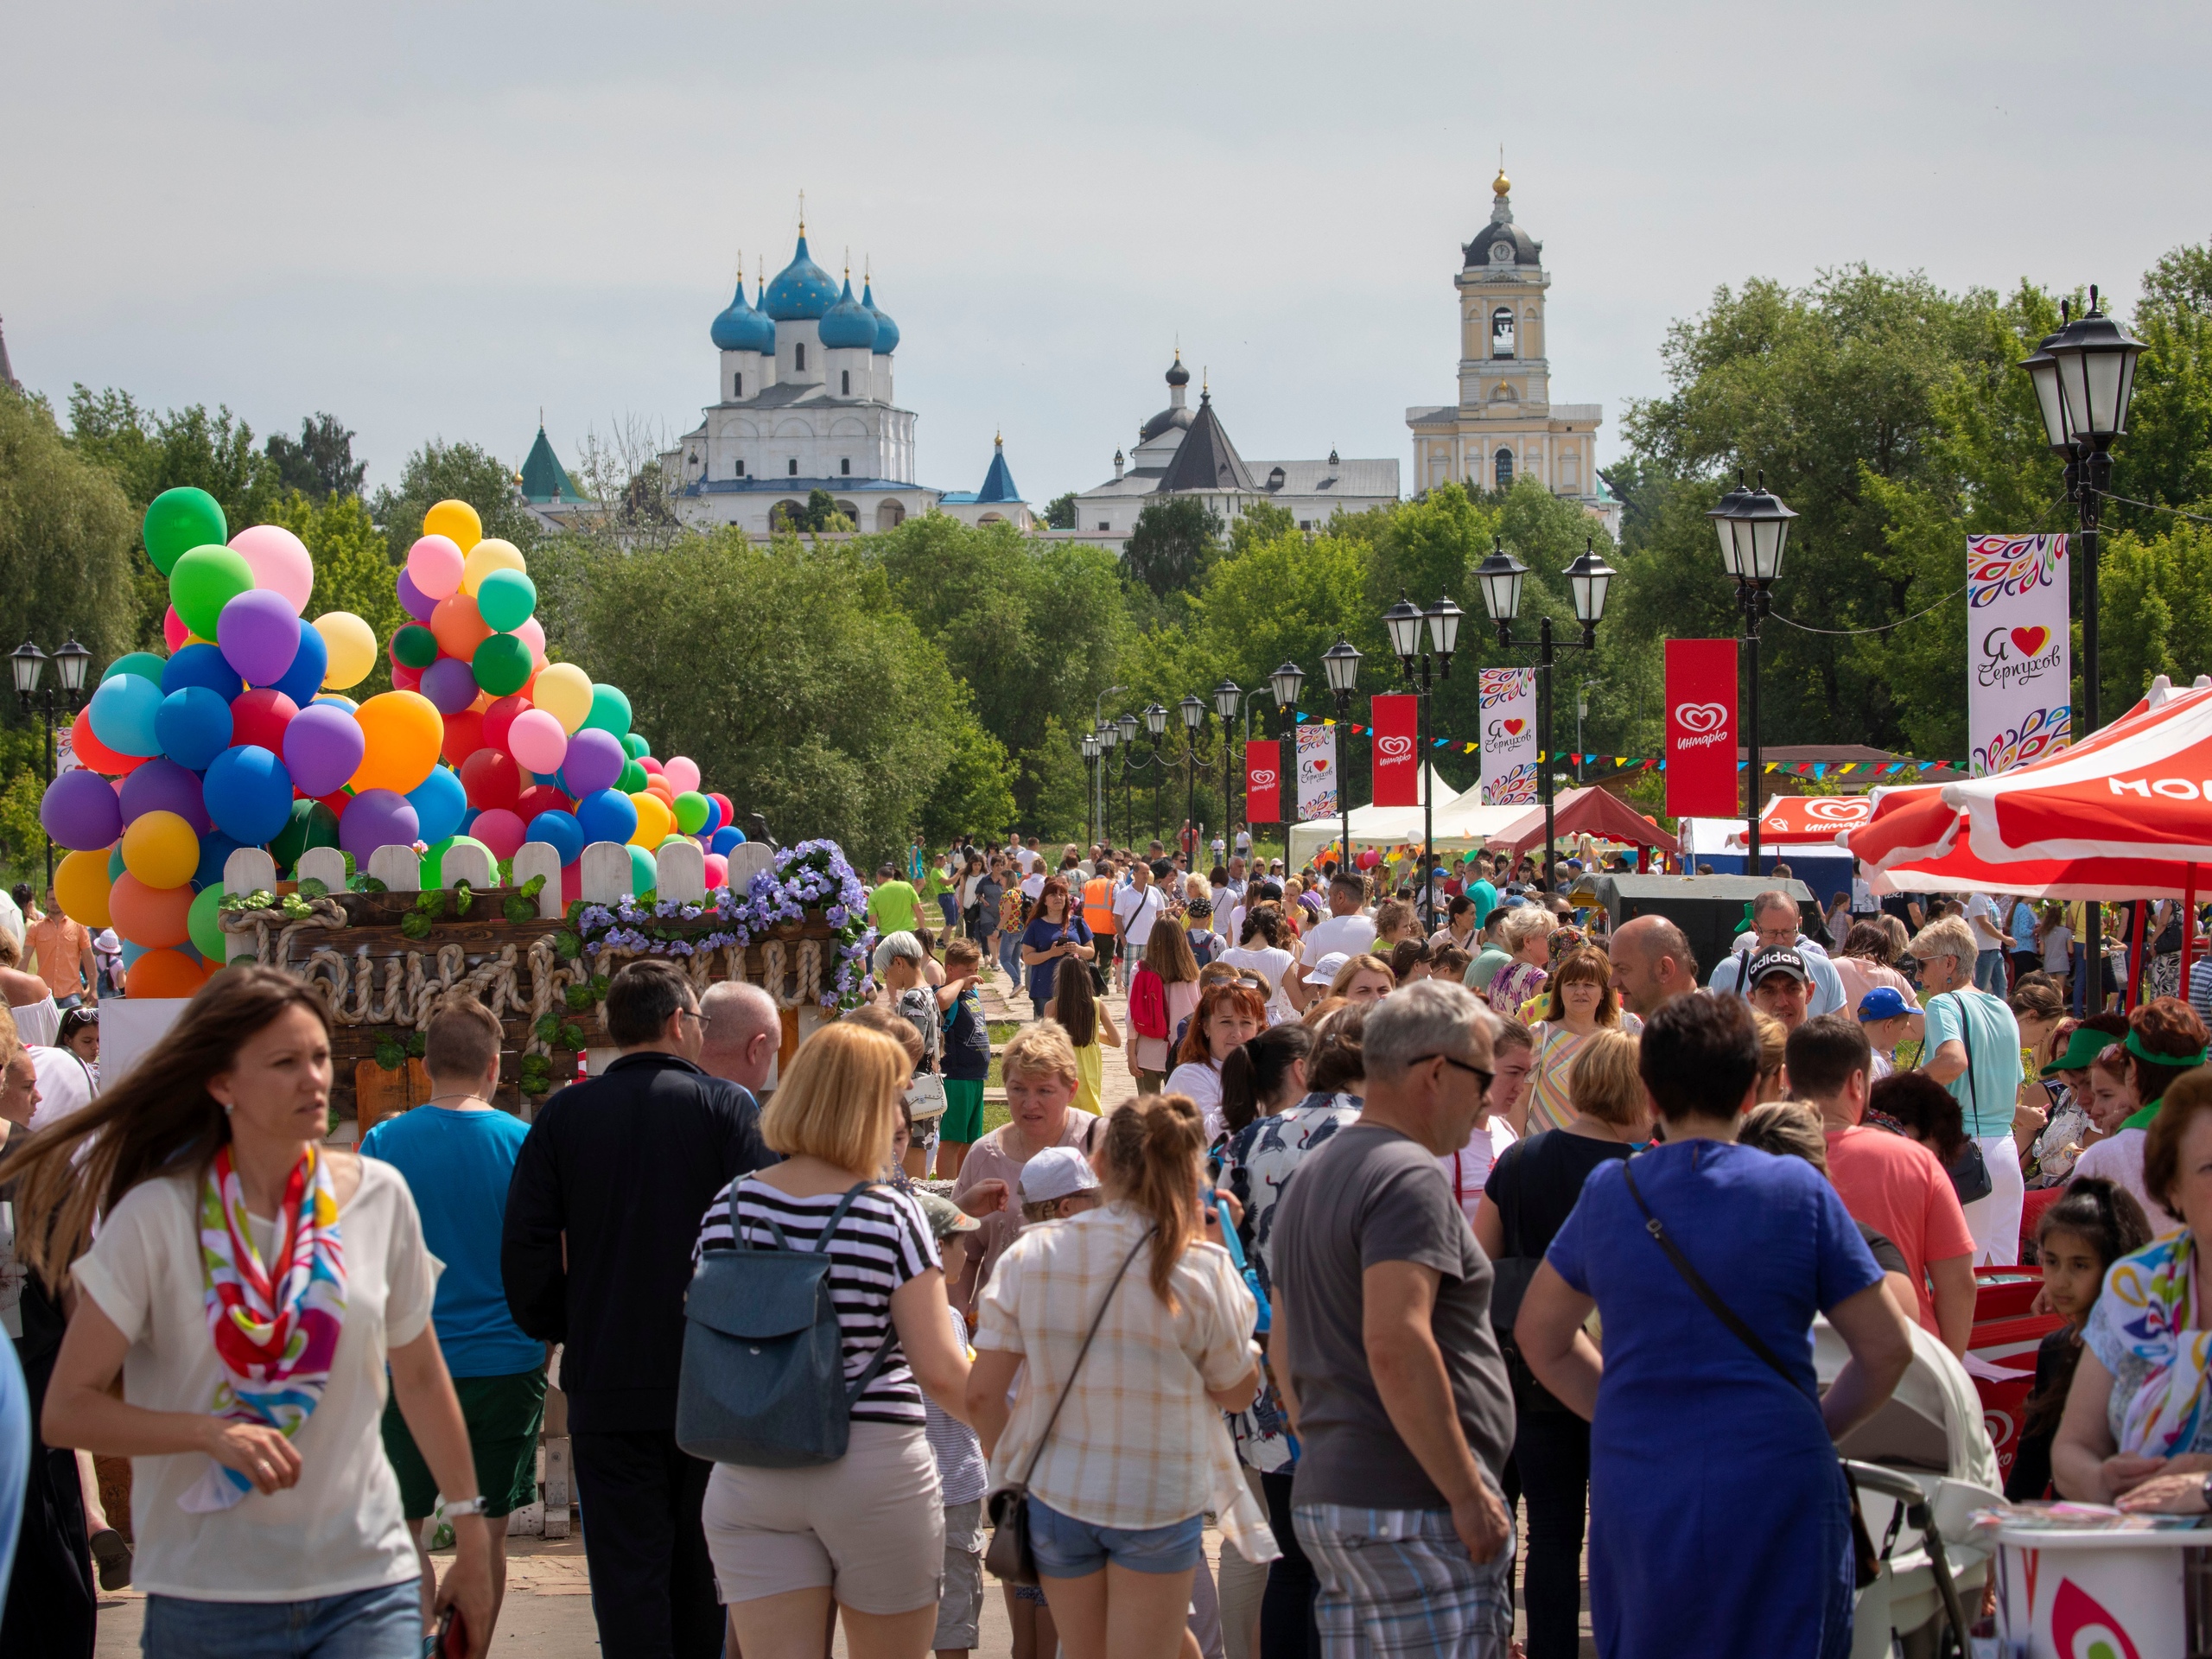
1895	1185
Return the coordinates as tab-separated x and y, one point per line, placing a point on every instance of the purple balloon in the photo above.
377	818
322	748
594	761
81	811
259	633
450	683
162	786
416	603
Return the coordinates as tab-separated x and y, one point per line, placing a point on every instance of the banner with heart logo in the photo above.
1262	782
2019	672
1701	728
1510	746
1317	772
1397	718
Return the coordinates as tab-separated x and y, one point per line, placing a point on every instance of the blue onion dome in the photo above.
887	332
847	325
741	328
802	290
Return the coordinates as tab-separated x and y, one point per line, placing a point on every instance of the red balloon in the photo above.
260	716
572	882
492	779
1369	859
500	830
96	755
729	812
406	679
499	716
541	798
337	801
651	766
174	632
464	735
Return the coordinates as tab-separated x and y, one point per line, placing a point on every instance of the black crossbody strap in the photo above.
1705	1292
1068	1387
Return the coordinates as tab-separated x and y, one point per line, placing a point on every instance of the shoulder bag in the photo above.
1969	1171
1865	1561
1010	1556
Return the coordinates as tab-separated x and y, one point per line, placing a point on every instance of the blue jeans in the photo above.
381	1623
1010	955
1068	1548
1989	972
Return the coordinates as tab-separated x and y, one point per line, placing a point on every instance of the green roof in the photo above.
543	477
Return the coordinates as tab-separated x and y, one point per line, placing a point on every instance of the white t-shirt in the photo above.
1243	842
1347	936
1982	916
340	1530
1274	965
1468	1169
1201	1081
1136	911
66	1084
1032	885
2120	1160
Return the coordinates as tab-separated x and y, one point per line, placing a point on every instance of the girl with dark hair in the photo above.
1263	1076
1163	993
2078	1240
1089	1027
248	1284
1264	949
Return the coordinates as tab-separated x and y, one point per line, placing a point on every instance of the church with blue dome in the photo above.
805	403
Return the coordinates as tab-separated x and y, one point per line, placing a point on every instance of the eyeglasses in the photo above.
692	1013
1474	1069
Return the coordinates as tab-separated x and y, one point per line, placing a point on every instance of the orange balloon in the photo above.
658	785
402	733
166	973
153	916
459	629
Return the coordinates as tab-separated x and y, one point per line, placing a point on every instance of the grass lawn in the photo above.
994	1111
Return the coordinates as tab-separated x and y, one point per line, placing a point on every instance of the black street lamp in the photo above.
1285	682
1155	722
1226	695
1091	750
1340	663
1128	725
2084	379
1194	716
1588	580
1404	621
70	663
1754	528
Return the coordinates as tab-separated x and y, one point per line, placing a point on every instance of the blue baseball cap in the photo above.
1883	1002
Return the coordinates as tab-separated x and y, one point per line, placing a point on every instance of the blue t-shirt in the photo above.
457	1165
1486	898
1041	934
1986	1088
2024	929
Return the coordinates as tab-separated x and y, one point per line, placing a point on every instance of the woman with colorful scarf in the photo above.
2137	1427
250	1285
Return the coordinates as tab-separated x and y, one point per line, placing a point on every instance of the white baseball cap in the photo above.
1057	1172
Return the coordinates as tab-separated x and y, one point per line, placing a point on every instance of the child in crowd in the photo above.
1885	1017
1058	1181
1198	918
967	1055
960	1468
1449	962
2078	1239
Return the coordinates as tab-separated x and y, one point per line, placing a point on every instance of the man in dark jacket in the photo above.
609	1192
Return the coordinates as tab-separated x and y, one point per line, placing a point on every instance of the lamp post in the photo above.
1340	663
1226	697
1091	748
1110	738
70	663
1287	682
2084	379
1194	715
1754	527
1155	722
1404	621
1128	723
1588	580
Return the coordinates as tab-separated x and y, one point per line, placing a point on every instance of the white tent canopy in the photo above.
1461	822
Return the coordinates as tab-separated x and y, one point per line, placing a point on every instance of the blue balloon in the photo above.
215	850
440	803
714	819
203	664
347	703
560	831
728	836
123	712
304	678
607	815
249	794
131	953
193	725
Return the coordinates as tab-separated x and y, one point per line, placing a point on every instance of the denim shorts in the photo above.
385	1623
1068	1548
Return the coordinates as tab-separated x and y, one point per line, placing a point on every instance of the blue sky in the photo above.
433	220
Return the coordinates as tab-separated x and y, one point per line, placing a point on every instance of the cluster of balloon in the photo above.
242	737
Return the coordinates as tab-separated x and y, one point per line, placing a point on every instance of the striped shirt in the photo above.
960	1471
882	1242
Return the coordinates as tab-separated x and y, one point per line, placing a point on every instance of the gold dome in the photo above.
1501	184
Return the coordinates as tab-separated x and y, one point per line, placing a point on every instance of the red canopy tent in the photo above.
1587	811
1809	820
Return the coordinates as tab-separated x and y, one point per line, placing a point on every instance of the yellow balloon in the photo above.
161	849
456	521
350	645
402	733
564	690
489	555
655	821
80	883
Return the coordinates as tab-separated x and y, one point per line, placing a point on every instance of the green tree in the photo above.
1263	521
1173	545
975	796
321	463
148	453
66	531
1059	512
446	471
352	570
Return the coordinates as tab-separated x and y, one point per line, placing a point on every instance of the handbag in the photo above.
1866	1563
1011	1556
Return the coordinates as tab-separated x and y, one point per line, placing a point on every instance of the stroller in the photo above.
1922	1465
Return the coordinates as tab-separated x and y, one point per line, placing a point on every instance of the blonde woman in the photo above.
868	1530
1042	1076
1579	1002
1363	980
1526	934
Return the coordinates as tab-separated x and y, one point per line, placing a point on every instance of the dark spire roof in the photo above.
1177	374
1206	460
998	483
543	478
7	374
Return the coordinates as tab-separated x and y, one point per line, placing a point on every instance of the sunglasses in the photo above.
1475	1070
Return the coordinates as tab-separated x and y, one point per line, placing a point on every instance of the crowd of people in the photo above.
1435	1240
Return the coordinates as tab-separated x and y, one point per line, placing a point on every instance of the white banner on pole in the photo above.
2019	678
1509	718
1317	772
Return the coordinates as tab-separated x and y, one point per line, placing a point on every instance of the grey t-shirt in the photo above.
1368	1196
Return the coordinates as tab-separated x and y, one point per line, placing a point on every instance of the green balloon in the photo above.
202	581
145	663
433	866
204	920
179	520
633	779
502	663
610	709
312	824
644	873
414	645
505	599
692	811
635	742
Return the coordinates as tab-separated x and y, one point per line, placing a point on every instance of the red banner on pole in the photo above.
1262	782
1701	728
1397	758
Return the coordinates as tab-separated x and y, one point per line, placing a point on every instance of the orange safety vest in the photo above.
1098	904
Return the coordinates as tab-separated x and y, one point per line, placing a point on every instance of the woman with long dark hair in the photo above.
250	1287
1056	934
1090	1029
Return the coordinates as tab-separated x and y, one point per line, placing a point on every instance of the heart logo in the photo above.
1696	718
1848	811
1515	728
2031	640
1263	781
1395	748
1317	766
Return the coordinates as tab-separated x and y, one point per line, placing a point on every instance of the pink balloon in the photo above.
536	740
682	774
279	561
436	564
500	830
532	633
717	871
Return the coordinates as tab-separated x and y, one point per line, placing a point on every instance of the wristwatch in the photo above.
2205	1490
469	1506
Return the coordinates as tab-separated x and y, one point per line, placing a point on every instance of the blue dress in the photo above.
1719	1522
